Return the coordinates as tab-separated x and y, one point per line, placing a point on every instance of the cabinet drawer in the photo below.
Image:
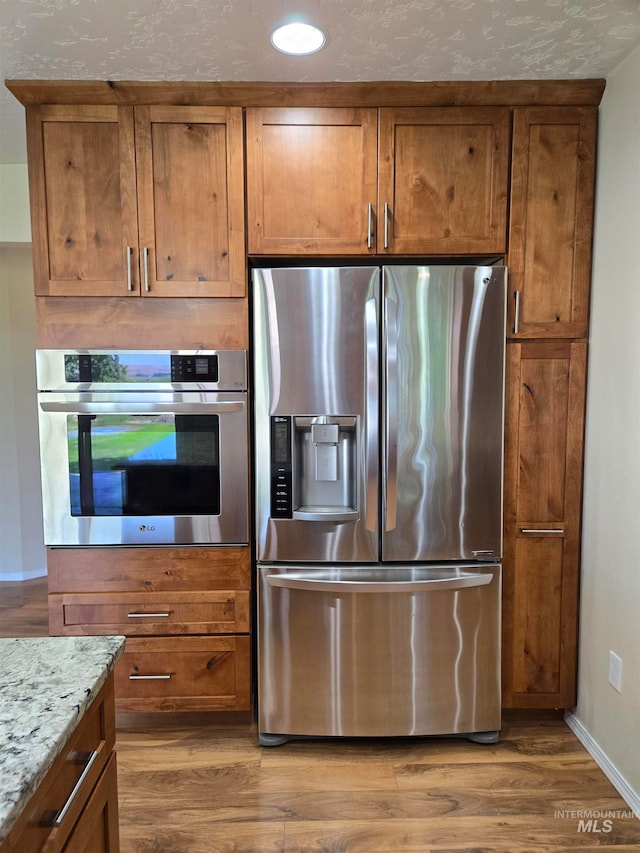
116	569
52	813
206	612
184	674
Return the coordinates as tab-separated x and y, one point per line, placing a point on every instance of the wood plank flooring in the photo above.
209	788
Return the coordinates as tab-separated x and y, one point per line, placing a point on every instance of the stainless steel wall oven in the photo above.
143	447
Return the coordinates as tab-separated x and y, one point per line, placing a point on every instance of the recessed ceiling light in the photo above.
298	38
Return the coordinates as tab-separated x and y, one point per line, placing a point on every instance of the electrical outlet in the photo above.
615	671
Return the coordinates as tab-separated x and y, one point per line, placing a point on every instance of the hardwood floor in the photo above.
23	609
209	788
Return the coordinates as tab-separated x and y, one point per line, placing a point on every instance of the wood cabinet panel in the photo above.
83	205
443	175
190	168
116	322
147	569
544	401
551	221
184	674
199	612
537	615
311	177
543	491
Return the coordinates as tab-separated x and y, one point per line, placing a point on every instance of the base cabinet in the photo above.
98	831
184	674
75	807
543	492
185	612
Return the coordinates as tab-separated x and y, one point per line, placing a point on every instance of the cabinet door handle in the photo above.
369	225
165	676
129	278
145	264
542	531
516	319
386	225
164	615
60	816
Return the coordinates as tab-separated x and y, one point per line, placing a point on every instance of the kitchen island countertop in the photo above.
46	685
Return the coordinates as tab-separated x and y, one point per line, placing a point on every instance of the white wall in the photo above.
22	553
15	224
610	592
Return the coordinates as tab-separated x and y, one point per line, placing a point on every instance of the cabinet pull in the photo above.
60	816
386	225
164	615
166	676
516	319
542	531
129	278
145	257
369	225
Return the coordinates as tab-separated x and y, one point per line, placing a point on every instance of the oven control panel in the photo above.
141	370
194	368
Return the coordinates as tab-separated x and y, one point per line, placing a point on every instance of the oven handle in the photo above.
142	408
429	585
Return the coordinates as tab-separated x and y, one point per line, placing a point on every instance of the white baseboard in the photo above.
631	797
24	576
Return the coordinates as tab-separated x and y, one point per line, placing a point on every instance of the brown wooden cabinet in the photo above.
551	221
311	180
543	490
137	201
184	610
88	791
441	176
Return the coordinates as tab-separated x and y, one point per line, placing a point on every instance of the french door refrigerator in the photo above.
378	424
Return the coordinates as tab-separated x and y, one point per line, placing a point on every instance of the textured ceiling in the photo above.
367	40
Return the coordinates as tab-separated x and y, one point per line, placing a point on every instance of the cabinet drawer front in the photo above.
148	569
184	673
223	612
54	809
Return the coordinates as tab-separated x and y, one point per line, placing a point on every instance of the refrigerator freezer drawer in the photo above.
373	651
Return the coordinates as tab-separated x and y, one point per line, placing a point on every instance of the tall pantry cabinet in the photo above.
549	258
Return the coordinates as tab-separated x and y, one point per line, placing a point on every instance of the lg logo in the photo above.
146	527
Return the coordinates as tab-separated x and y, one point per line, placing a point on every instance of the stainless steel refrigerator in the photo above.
378	424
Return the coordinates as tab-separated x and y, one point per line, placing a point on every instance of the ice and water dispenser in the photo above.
314	467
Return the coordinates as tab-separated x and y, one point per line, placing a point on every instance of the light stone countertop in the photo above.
46	685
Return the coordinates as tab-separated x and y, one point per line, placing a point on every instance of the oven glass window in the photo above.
144	464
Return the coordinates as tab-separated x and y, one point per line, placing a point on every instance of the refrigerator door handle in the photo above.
300	581
371	430
390	468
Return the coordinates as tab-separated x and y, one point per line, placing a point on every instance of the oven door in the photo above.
144	468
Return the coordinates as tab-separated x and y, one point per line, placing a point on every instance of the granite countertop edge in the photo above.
46	686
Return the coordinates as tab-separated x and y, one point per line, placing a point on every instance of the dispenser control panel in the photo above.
281	468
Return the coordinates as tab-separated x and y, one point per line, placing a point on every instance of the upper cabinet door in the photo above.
443	179
190	167
83	204
551	218
311	181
